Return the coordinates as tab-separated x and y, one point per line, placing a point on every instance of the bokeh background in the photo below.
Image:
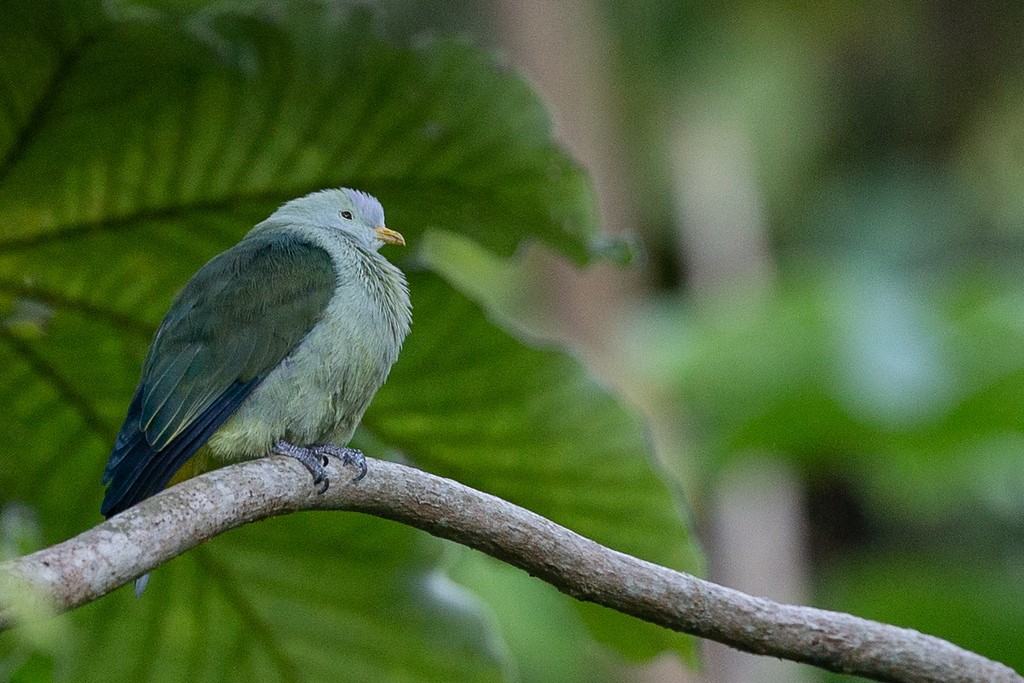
823	318
826	324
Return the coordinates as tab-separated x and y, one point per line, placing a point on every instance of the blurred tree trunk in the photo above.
561	46
757	525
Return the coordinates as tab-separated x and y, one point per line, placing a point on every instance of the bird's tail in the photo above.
141	583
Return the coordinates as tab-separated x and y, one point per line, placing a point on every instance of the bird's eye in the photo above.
347	215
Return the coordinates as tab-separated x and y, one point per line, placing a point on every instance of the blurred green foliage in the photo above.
135	144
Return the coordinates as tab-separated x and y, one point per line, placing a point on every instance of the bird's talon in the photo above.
323	489
311	459
351	456
362	470
348	456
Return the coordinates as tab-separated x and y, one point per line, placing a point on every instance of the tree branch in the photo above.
113	553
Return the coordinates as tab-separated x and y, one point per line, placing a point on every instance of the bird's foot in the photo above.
348	456
311	459
314	459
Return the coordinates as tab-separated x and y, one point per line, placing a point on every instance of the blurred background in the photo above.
826	319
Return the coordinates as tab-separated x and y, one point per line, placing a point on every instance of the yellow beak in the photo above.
388	236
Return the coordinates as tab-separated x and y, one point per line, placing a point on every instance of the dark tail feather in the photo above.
141	583
136	471
127	437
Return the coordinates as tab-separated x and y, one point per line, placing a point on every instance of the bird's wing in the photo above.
234	322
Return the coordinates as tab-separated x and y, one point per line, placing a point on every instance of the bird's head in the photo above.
350	211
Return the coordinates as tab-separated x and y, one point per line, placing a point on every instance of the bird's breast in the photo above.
321	390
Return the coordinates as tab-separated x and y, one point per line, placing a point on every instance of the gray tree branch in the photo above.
113	553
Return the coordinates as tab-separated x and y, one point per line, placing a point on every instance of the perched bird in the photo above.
276	345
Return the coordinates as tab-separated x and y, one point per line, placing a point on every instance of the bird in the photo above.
276	345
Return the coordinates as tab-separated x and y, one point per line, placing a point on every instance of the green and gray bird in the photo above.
276	345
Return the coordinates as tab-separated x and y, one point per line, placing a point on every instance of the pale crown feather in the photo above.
327	209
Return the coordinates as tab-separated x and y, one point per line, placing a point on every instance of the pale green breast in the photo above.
320	391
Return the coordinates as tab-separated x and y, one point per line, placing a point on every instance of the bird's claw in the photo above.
311	459
348	456
316	458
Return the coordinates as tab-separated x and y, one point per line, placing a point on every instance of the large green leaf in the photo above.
255	605
229	115
135	147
